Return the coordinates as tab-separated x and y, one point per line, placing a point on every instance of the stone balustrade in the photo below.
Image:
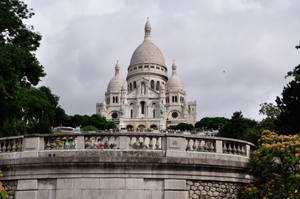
118	140
11	144
124	164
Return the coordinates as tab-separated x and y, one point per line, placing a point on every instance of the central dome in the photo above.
147	52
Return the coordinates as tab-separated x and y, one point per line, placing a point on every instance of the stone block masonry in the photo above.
11	186
212	189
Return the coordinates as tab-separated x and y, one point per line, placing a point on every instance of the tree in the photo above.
59	116
182	127
211	123
19	66
271	112
95	120
39	109
89	128
288	120
269	109
275	167
239	127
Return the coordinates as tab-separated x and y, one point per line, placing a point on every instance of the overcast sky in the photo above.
231	55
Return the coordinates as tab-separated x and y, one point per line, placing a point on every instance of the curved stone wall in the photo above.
124	165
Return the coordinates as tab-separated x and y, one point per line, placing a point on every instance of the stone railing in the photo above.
11	144
127	141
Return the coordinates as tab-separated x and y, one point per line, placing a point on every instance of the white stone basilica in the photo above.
150	100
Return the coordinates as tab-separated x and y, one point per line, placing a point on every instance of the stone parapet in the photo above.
123	165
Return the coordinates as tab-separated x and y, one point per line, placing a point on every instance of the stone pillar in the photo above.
31	144
79	140
248	150
219	147
27	189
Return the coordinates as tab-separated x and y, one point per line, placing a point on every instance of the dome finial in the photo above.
117	68
174	67
147	30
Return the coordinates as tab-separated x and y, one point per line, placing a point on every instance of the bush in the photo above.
89	128
276	168
3	192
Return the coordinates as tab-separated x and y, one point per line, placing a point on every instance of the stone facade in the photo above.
151	99
212	189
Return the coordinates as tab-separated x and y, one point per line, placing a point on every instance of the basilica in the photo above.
149	99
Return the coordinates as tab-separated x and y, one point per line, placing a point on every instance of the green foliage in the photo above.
89	128
19	67
59	116
276	167
239	127
39	109
3	192
288	121
95	120
211	123
267	124
182	127
269	110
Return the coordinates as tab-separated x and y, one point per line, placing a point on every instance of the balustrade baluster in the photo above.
194	146
158	143
146	142
151	145
212	146
4	146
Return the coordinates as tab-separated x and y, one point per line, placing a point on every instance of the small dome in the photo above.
147	52
174	83
116	83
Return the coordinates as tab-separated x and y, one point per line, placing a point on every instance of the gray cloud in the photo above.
231	55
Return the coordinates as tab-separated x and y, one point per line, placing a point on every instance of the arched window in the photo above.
113	99
116	99
131	113
134	85
157	85
143	107
175	98
130	86
153	113
152	84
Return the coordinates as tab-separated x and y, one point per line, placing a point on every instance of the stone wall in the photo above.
11	187
212	190
123	166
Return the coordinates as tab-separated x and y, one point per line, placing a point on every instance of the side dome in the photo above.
174	83
116	83
147	52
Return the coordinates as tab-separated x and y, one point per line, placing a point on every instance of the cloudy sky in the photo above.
231	55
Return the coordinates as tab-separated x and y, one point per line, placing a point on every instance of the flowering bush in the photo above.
276	168
3	192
